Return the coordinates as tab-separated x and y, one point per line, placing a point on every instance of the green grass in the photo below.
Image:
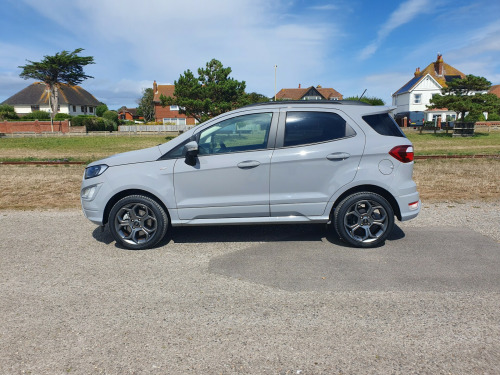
445	144
84	149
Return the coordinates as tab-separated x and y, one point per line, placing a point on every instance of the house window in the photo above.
74	108
174	107
417	99
91	109
83	108
35	108
174	121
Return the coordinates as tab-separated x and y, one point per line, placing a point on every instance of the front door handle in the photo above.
338	156
248	164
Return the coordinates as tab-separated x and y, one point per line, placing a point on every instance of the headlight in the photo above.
95	170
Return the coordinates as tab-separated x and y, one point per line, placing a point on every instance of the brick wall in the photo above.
36	126
489	123
165	112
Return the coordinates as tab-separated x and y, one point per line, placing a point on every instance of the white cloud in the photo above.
161	39
405	12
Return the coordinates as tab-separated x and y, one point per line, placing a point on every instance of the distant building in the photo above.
169	114
73	100
495	90
129	114
415	95
309	93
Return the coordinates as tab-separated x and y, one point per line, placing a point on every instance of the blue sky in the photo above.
348	45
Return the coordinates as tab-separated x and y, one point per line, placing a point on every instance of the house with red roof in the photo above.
168	115
129	114
415	95
309	93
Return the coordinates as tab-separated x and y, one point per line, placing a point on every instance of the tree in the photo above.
7	112
210	94
369	100
461	96
64	67
100	109
146	106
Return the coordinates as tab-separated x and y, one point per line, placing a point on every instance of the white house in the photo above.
414	97
73	100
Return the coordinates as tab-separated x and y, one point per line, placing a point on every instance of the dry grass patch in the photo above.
58	187
458	179
40	187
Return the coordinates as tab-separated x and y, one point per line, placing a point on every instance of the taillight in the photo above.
402	153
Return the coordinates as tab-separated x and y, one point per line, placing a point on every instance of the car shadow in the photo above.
247	233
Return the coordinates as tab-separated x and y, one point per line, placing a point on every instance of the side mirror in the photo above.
191	153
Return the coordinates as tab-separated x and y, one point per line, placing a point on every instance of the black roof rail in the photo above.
285	102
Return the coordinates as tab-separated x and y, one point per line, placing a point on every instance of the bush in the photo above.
111	115
474	117
493	117
62	116
37	115
99	124
7	112
79	120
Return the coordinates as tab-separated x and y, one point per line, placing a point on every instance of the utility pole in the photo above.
275	66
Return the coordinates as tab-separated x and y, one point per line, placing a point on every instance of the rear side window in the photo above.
314	127
384	124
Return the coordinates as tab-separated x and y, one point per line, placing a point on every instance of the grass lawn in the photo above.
445	144
86	149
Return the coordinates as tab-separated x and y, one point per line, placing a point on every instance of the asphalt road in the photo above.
253	300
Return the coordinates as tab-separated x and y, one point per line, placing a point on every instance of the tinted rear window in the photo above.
384	124
314	127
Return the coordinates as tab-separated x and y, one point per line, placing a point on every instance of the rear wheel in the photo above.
138	222
364	219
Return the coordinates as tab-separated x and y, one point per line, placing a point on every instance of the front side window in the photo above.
314	127
242	133
417	99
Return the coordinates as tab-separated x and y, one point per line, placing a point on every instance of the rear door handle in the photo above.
338	156
248	164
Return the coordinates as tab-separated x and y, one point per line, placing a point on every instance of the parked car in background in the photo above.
270	163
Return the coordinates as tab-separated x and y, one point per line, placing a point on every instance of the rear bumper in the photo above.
408	213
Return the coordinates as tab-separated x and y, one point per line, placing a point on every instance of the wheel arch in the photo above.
372	189
125	193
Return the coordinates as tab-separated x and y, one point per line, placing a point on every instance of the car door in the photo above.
231	176
316	153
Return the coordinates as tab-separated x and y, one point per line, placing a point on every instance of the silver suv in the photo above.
272	163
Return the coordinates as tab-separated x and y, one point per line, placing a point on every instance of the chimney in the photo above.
417	72
439	65
155	87
299	85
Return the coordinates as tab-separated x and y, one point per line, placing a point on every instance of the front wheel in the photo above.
364	219
138	222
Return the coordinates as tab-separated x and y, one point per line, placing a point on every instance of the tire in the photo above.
364	219
138	222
